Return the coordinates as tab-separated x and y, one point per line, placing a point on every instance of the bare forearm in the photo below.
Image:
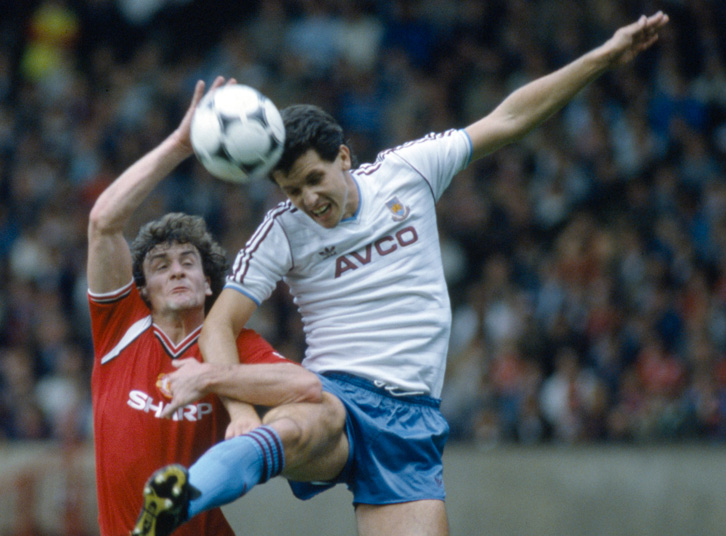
239	385
532	104
535	102
264	385
118	202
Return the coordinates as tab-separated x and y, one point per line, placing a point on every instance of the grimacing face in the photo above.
323	190
175	280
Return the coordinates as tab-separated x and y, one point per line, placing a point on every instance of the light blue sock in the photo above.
233	467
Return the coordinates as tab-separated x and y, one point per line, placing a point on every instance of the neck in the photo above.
177	325
351	201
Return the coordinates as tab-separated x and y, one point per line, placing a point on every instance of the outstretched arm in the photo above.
260	384
109	259
535	102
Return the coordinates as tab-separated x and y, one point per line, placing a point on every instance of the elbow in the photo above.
95	220
308	388
100	221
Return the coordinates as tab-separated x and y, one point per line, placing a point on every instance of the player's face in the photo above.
323	190
175	279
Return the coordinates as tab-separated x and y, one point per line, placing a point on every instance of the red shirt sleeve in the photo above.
112	314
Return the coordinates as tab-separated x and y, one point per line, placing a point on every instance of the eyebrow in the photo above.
165	254
314	174
311	175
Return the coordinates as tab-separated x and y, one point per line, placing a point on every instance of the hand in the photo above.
243	418
631	40
183	131
186	384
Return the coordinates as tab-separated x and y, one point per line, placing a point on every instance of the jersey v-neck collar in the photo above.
176	350
358	210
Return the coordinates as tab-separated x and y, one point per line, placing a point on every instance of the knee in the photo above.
293	433
296	428
304	424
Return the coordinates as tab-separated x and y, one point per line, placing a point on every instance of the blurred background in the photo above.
586	264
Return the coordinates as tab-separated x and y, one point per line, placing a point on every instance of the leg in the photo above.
313	438
417	518
301	441
307	439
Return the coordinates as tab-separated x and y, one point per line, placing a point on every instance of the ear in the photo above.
276	177
344	156
144	293
207	286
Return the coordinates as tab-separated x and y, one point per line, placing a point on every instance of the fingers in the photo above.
235	429
177	402
217	82
654	23
198	94
644	33
660	19
199	89
169	410
178	363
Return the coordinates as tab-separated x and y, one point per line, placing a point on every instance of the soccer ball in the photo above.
237	133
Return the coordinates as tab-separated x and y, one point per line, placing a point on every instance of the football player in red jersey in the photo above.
147	305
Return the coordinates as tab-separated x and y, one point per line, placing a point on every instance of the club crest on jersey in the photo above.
399	210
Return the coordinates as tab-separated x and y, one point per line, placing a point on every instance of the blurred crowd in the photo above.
586	264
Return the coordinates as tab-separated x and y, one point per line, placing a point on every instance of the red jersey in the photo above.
131	440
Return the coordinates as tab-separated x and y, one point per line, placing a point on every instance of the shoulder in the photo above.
279	213
275	227
432	160
451	144
120	306
427	143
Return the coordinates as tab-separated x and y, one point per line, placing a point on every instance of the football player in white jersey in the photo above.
358	248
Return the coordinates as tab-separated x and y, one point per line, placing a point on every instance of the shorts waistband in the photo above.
367	384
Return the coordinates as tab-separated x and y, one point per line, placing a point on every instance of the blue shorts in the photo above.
396	443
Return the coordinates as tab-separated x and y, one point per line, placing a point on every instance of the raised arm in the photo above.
530	105
109	258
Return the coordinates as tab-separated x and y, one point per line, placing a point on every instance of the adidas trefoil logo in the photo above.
327	252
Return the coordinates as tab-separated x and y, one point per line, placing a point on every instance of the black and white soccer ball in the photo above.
237	133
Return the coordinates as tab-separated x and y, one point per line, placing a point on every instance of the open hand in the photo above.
183	131
631	40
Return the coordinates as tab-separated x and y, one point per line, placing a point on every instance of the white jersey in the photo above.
371	290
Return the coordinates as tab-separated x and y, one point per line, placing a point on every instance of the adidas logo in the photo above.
327	252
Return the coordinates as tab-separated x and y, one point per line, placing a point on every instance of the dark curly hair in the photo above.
179	228
309	127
